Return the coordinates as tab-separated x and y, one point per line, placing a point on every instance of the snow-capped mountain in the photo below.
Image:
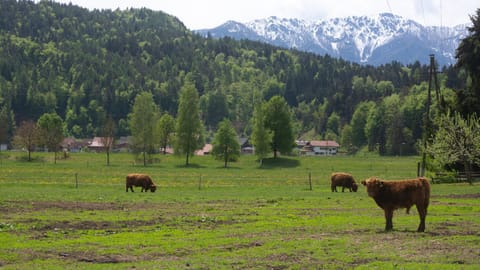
369	40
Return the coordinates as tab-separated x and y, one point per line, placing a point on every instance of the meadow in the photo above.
75	214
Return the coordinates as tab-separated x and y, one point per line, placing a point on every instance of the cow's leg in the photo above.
422	212
388	219
334	188
343	188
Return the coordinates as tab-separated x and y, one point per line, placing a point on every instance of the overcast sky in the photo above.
211	13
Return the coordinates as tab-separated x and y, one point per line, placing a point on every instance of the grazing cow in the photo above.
140	180
391	195
344	180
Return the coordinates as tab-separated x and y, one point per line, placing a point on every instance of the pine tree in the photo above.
278	119
189	127
165	129
141	119
261	136
225	143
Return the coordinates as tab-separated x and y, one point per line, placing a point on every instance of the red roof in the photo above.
324	143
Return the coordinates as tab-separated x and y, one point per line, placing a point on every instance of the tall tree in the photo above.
108	137
51	132
359	119
165	130
225	144
141	122
189	127
457	140
26	136
468	58
261	136
375	129
278	119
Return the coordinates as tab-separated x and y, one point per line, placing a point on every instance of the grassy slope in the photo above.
242	217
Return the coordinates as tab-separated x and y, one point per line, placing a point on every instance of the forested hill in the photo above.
86	65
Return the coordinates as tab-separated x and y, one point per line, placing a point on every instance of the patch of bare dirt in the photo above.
70	206
95	258
461	196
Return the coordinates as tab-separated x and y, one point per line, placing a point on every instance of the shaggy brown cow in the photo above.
140	180
391	195
344	180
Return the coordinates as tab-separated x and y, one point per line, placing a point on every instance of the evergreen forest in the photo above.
88	66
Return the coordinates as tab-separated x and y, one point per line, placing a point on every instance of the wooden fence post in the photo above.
200	182
76	180
310	180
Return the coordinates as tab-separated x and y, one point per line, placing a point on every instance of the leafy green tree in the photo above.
346	139
375	129
165	130
468	58
457	140
26	136
216	108
359	119
189	127
225	144
278	119
51	132
333	123
261	136
394	124
142	120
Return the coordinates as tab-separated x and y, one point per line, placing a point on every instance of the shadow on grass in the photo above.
279	162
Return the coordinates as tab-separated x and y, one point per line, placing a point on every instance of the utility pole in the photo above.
427	121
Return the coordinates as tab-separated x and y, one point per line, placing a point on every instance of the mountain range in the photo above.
371	40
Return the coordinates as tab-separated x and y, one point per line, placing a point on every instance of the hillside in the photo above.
89	65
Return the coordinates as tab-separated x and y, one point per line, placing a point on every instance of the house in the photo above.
98	143
206	150
245	146
122	144
318	148
71	144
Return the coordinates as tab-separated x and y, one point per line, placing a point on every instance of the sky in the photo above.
211	13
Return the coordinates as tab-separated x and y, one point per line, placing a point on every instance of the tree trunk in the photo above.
468	171
225	156
108	158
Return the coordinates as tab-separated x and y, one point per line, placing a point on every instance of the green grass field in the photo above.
76	215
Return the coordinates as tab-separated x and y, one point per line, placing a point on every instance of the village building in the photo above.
318	148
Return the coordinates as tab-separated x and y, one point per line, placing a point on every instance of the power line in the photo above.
389	7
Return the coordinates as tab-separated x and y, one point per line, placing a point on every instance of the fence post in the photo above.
200	182
76	180
310	180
